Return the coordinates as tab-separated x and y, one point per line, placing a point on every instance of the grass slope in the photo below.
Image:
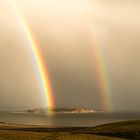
16	135
112	131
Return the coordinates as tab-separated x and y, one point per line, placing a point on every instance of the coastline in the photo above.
116	131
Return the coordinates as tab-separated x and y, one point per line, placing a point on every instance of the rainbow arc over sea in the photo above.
38	58
98	58
102	75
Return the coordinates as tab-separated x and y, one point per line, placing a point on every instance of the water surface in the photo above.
89	119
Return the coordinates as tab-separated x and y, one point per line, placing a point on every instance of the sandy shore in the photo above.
112	131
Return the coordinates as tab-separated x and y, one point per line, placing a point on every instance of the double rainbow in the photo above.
99	59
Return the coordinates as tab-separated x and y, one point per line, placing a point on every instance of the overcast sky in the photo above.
61	27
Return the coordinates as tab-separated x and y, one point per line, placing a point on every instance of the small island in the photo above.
61	110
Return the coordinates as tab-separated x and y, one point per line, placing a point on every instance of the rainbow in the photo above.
39	60
102	75
99	59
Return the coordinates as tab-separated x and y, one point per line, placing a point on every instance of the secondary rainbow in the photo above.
38	58
102	75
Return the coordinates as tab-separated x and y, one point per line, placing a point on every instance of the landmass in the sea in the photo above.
55	110
61	110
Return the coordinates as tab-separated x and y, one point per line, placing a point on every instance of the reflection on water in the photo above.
90	119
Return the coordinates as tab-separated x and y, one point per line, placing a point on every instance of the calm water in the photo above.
91	119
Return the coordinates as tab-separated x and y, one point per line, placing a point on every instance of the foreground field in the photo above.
8	135
112	131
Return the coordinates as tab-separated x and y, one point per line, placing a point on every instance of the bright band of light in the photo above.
38	57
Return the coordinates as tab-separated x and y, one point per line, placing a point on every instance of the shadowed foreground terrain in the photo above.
112	131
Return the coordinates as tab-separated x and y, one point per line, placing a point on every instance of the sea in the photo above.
66	120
